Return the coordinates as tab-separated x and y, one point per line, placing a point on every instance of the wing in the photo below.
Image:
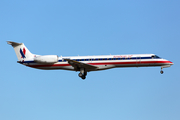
77	65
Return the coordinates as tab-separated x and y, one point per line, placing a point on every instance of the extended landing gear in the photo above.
83	76
161	70
82	73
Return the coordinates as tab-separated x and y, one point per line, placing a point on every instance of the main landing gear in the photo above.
82	73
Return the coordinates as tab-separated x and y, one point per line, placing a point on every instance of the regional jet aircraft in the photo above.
86	64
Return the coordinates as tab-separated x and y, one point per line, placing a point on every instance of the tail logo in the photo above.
23	53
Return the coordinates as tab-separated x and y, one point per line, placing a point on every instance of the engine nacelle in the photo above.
46	59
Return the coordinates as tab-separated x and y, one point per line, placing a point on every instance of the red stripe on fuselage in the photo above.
106	63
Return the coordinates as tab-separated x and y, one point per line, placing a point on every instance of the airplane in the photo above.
85	64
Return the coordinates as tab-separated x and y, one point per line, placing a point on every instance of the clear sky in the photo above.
93	27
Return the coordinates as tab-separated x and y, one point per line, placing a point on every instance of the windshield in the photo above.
155	56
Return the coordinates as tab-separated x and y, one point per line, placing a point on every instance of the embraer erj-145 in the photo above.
86	64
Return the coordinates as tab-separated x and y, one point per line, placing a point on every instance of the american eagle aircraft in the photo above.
86	64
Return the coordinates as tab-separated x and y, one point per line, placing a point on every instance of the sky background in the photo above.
93	27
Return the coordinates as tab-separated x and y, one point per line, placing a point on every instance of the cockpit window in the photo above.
155	56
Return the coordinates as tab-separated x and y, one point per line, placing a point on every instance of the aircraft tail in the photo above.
21	51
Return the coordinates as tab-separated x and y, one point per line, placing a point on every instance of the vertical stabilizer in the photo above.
21	51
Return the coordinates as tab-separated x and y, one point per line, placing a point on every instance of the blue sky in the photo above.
96	27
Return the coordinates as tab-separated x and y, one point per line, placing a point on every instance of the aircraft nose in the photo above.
171	63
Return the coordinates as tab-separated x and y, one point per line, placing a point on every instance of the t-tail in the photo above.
21	51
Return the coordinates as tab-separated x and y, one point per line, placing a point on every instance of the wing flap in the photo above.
77	64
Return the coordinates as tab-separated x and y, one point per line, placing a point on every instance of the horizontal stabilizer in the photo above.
14	43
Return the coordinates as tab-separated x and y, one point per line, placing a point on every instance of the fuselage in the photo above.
85	64
103	62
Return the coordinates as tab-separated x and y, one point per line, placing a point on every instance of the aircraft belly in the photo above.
51	66
55	68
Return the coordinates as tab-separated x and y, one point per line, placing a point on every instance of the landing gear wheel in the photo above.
80	74
83	77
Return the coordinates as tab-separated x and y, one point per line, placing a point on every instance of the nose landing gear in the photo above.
164	66
161	70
